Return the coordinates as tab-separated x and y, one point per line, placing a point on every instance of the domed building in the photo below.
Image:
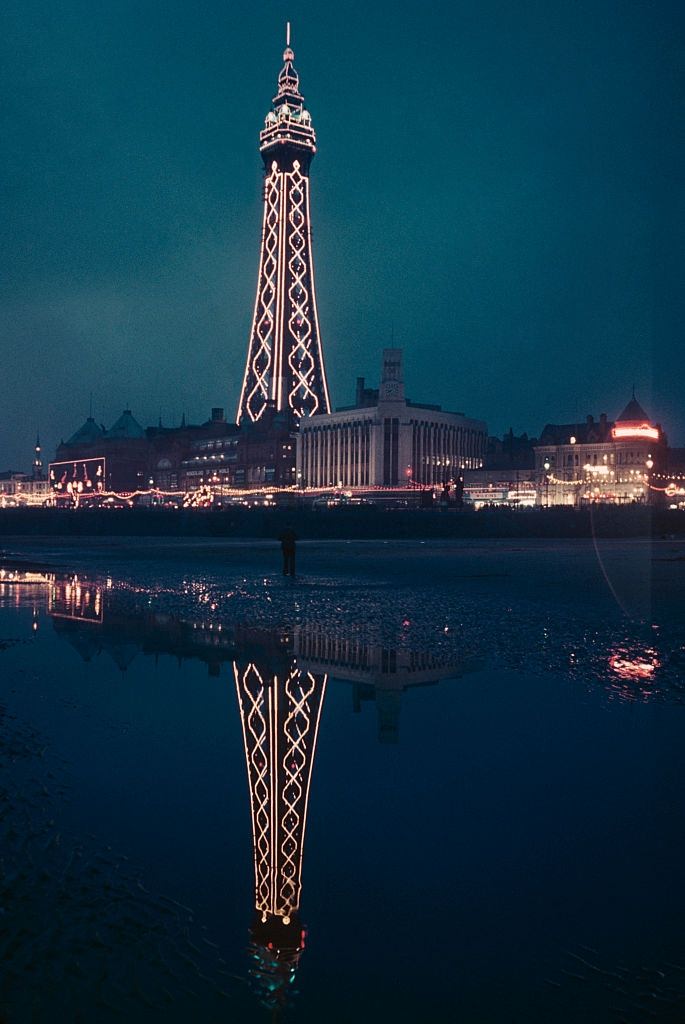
600	460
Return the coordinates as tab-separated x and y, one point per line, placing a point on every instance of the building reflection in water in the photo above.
377	672
75	598
280	680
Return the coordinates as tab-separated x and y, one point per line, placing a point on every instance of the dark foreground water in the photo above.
484	743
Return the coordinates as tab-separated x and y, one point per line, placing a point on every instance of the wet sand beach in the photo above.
496	804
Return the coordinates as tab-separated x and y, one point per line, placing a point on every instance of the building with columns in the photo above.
385	440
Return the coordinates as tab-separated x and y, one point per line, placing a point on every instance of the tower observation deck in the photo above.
284	358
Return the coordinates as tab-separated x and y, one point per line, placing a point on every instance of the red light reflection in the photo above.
637	666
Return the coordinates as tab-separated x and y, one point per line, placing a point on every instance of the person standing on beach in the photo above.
288	539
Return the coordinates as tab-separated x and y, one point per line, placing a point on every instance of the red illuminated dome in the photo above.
634	422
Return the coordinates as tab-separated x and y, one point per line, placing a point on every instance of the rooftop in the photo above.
87	433
126	427
633	413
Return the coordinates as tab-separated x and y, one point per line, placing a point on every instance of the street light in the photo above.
547	468
649	464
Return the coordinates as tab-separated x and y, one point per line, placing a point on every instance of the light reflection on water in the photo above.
628	660
280	676
281	673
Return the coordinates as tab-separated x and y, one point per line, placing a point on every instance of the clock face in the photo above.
392	389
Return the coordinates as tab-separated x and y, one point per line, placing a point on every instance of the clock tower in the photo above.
392	379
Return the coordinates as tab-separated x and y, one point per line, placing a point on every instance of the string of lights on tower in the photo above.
284	359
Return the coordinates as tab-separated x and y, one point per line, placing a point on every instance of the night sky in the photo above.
498	186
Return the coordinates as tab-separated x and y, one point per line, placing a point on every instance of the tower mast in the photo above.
284	366
37	468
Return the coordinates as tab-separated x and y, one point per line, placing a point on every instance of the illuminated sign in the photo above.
77	479
494	493
523	495
635	430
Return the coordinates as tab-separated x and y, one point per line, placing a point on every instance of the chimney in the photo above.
590	420
359	392
217	415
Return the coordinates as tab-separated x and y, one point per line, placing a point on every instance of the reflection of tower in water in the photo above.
280	707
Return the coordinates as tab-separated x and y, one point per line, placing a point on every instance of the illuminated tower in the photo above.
280	706
284	358
37	468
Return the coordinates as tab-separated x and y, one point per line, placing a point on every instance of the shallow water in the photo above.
494	825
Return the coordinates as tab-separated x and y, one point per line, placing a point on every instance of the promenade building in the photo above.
600	460
95	460
19	488
12	482
255	455
508	476
385	440
127	457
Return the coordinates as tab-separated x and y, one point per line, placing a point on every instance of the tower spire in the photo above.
37	469
284	365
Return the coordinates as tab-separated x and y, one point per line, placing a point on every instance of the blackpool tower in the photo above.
280	705
284	358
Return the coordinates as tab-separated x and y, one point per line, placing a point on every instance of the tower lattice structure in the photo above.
284	359
280	707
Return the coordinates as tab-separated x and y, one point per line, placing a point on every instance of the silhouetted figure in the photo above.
459	493
288	539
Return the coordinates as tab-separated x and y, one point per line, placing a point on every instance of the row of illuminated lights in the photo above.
160	492
628	459
205	491
595	471
596	492
268	135
213	458
592	468
624	433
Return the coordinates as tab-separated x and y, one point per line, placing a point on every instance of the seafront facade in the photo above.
600	460
386	440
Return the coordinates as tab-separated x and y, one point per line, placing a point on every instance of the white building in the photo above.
384	440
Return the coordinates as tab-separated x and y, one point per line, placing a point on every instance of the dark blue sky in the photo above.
502	182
